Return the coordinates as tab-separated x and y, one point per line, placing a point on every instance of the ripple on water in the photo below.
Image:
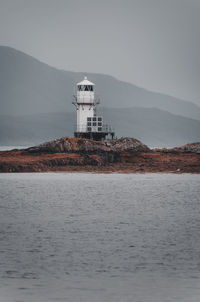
76	227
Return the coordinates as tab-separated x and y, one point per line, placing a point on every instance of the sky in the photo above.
154	44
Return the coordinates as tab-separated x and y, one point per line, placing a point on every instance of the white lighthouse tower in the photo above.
85	102
89	125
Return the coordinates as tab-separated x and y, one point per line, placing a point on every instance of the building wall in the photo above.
85	97
83	112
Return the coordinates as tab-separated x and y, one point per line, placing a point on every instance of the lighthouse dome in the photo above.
85	82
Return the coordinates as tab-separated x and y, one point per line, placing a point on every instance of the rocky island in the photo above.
125	155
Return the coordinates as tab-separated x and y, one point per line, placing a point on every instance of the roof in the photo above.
85	82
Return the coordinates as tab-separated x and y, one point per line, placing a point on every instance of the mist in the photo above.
152	44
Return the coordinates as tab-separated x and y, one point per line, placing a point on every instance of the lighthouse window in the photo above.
85	88
81	88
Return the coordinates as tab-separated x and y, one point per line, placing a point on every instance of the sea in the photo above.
83	237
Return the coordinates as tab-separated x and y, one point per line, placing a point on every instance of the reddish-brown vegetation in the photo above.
79	155
126	162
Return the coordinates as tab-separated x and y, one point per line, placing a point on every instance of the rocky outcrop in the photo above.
69	145
80	145
188	148
126	155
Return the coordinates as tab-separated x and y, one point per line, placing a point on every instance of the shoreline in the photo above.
125	163
125	155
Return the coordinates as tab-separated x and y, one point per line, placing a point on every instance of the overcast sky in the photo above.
154	44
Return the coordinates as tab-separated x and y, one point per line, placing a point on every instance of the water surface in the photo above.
99	237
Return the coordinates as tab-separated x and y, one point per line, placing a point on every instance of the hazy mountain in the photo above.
28	86
33	95
152	126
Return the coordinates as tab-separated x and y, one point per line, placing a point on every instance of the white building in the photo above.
89	125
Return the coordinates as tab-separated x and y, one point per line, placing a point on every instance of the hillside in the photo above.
35	106
28	86
154	127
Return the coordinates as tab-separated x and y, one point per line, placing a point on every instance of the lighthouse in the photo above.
89	124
